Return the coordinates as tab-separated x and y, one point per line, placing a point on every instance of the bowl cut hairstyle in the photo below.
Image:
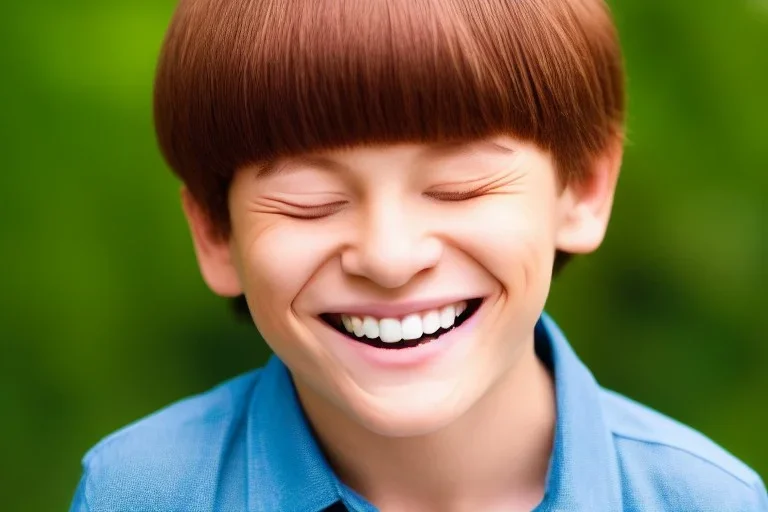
245	82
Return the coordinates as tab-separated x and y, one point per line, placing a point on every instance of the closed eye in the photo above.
310	212
454	195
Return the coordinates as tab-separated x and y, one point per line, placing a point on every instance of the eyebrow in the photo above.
269	168
274	167
452	148
433	151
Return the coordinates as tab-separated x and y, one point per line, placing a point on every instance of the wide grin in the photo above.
410	331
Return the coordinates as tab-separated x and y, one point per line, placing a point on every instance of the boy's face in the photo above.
400	237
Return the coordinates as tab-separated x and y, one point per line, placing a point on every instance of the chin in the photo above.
409	416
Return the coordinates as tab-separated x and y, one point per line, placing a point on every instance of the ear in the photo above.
212	250
585	206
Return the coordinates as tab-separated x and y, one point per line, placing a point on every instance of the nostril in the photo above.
392	264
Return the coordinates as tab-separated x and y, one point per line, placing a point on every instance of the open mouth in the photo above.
410	331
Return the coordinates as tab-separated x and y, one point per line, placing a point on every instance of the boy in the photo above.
389	184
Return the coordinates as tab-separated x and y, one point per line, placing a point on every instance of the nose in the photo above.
391	247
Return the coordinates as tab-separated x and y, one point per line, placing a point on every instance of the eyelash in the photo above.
326	210
321	211
454	197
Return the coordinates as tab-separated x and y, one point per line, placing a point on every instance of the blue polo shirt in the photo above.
246	446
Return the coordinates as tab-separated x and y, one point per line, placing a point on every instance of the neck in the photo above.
495	456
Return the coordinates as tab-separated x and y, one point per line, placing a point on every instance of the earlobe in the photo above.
212	250
586	205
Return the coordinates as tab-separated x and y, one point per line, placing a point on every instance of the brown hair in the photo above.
246	81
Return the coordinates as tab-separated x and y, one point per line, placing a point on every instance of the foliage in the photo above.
105	318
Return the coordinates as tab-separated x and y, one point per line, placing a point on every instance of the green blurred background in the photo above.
105	318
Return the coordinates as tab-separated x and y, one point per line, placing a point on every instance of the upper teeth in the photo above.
411	327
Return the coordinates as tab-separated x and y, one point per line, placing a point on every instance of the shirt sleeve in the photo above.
79	503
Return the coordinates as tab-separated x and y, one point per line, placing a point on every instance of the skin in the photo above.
472	429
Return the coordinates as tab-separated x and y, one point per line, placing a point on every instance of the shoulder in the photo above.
179	452
675	467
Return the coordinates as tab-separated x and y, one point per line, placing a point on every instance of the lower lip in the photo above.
420	355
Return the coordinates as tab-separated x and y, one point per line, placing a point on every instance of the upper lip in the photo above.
396	309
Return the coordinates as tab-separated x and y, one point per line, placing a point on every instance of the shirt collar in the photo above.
287	471
583	469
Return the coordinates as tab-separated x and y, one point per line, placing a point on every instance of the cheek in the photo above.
277	260
512	237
